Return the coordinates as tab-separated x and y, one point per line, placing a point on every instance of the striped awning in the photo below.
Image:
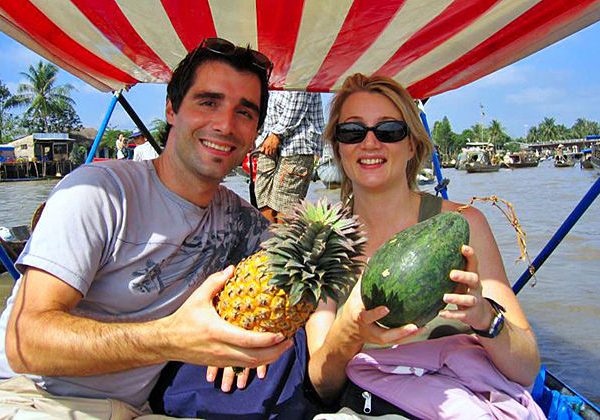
430	46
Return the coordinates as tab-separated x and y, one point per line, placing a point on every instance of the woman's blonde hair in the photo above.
407	107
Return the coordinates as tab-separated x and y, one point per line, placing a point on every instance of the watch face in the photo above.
497	325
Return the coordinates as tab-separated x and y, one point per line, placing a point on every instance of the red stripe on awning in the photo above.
110	20
48	35
457	16
536	23
365	21
191	19
277	25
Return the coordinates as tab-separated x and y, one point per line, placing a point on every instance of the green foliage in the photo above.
450	143
78	155
49	107
158	129
9	124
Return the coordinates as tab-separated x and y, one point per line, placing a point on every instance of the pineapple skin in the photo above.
250	302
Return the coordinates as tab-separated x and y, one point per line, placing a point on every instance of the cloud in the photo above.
512	75
536	96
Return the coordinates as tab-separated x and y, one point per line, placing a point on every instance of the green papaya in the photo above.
410	272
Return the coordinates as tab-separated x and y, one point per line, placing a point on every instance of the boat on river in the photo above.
522	159
563	162
429	46
595	156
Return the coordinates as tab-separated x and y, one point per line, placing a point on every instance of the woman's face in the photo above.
371	164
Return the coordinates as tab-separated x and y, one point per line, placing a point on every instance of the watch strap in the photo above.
497	321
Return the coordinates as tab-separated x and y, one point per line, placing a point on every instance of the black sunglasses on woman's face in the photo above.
385	131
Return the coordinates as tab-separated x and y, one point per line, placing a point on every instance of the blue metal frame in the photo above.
102	129
437	168
8	263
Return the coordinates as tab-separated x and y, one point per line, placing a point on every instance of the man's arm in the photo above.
44	338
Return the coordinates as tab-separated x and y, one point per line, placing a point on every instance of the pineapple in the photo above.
313	255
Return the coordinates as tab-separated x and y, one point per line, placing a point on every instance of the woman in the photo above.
380	143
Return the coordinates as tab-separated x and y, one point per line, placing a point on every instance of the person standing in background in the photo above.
121	145
143	150
289	143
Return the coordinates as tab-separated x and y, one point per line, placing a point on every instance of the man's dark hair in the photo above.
242	59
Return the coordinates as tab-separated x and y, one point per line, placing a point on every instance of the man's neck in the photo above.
197	191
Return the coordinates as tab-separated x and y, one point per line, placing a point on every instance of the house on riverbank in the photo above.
42	155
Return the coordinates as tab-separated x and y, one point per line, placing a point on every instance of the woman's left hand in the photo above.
229	376
472	308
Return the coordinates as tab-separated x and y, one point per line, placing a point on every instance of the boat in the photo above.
522	159
429	46
425	176
563	162
586	159
595	156
13	240
481	167
328	173
481	152
480	160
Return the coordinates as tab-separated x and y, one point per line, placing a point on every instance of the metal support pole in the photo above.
562	231
138	122
442	182
109	111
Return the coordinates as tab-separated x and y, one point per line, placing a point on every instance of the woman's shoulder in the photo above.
473	215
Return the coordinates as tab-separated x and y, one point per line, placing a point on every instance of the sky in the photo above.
560	81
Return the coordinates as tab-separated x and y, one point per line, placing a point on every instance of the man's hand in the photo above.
229	376
196	334
270	145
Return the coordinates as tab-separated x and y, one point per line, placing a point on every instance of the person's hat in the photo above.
135	134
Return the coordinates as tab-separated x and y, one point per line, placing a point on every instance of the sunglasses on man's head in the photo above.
224	47
385	131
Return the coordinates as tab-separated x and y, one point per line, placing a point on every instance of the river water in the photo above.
564	306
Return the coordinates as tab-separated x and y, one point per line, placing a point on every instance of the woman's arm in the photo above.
514	351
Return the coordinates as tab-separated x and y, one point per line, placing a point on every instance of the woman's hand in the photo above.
363	323
473	309
229	376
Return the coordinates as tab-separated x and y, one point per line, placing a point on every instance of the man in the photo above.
117	273
290	142
143	149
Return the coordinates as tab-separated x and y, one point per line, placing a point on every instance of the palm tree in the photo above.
548	129
42	96
496	132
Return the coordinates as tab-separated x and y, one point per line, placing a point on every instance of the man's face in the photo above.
217	121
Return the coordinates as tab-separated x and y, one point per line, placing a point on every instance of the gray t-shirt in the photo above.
136	251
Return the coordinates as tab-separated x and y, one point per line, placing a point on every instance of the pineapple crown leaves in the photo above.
314	253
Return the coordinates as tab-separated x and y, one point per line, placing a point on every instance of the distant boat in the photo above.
475	152
329	173
479	167
595	158
13	240
586	159
563	162
522	160
425	177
